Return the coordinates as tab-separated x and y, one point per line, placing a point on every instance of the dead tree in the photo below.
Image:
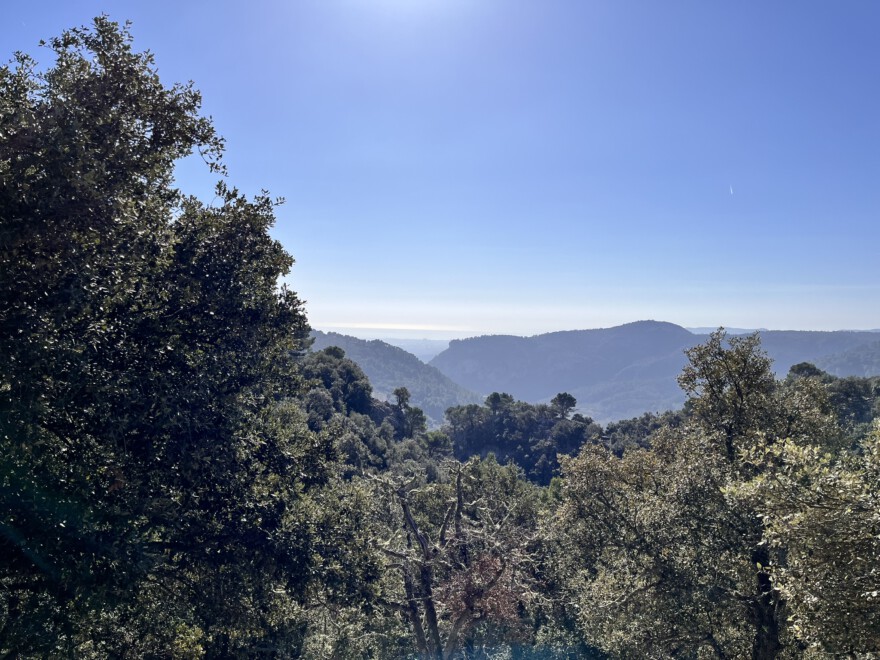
458	576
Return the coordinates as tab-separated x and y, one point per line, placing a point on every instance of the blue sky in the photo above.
460	167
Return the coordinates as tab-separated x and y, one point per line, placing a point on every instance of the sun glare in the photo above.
412	12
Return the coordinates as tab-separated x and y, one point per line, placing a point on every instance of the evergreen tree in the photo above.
157	489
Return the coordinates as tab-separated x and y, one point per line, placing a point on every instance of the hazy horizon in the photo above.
391	333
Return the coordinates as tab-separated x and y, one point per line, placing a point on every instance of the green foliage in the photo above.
390	367
330	373
564	403
651	557
854	401
369	435
729	389
408	421
528	435
745	529
157	491
637	432
666	561
180	478
822	510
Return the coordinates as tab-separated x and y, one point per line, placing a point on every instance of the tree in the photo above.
821	511
650	556
158	486
729	387
497	401
409	421
459	556
401	396
666	556
564	403
331	372
530	435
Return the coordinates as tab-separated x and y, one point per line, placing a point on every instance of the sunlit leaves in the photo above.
149	447
823	510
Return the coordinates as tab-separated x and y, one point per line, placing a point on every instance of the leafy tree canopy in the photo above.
153	469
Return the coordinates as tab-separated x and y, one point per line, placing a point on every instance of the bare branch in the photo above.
412	613
411	523
393	553
458	625
459	502
445	524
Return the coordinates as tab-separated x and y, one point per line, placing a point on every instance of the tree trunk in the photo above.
766	645
765	612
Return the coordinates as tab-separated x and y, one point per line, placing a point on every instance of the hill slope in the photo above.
389	367
788	347
613	372
617	372
863	360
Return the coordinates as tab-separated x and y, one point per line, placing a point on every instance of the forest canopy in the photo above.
181	477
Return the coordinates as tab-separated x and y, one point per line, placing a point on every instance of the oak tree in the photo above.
158	488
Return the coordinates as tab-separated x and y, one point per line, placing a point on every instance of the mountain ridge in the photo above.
622	371
389	367
614	373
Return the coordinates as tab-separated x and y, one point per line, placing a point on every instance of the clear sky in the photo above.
459	167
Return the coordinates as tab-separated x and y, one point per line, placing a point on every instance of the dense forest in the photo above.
182	477
389	367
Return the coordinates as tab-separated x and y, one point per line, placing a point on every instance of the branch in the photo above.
454	511
412	613
446	519
411	523
496	577
391	605
468	616
394	553
623	601
459	503
455	631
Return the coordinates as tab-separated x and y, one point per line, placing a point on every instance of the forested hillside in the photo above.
181	477
862	360
389	367
787	348
617	373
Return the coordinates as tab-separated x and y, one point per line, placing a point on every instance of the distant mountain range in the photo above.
614	373
621	372
389	367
